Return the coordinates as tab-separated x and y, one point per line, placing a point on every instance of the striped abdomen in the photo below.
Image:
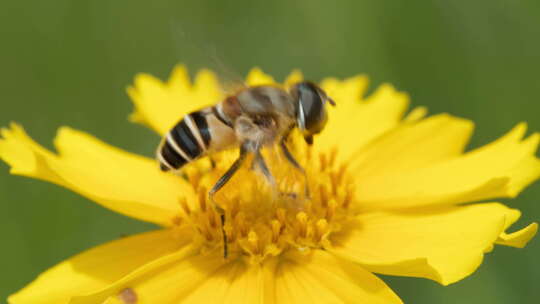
194	136
186	141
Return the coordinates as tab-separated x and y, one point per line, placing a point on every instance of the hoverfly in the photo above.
253	118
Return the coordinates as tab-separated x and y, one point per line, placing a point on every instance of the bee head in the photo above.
310	108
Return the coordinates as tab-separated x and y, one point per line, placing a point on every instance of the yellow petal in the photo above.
171	280
354	122
416	114
257	77
444	244
413	145
96	268
157	276
235	282
519	238
347	92
320	277
294	77
118	180
500	169
210	279
194	279
160	105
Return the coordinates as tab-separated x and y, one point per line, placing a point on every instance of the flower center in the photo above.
262	219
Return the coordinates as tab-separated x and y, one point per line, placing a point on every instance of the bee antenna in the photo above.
331	101
325	96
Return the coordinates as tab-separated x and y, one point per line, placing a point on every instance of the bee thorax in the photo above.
247	130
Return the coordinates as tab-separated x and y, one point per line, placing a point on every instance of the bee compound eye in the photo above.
312	107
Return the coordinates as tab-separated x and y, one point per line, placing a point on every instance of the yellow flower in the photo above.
387	193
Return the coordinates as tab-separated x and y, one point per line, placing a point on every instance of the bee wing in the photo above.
230	79
197	46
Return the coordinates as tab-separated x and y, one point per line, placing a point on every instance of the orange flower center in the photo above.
261	220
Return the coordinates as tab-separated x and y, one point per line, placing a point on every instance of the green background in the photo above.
68	63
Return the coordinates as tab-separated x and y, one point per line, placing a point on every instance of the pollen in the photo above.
262	219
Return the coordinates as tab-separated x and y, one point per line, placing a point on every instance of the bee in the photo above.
253	118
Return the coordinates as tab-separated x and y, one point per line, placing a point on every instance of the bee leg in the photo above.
219	184
261	164
290	158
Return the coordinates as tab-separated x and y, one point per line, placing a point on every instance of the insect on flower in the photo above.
252	119
393	192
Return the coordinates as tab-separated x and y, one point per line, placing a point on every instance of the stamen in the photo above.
262	221
202	198
333	155
194	178
253	239
322	162
276	230
212	218
334	181
234	207
302	223
185	206
230	232
341	173
322	227
177	221
281	215
205	233
240	220
331	210
323	195
348	197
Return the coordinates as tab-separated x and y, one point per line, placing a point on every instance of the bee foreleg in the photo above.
294	162
219	184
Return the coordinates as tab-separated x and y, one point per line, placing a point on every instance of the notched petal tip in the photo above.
373	115
416	114
527	169
519	130
293	77
180	76
520	238
350	90
388	91
207	81
136	117
502	168
256	76
516	155
144	81
429	242
159	105
23	154
124	182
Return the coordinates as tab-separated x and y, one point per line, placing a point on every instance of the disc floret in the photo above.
262	220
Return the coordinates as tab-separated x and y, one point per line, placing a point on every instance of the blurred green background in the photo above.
68	62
